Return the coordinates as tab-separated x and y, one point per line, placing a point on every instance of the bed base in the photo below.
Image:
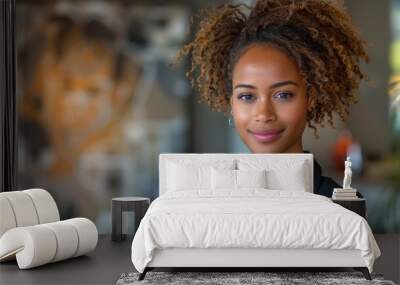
363	270
245	259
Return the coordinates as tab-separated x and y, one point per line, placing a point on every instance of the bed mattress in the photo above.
251	219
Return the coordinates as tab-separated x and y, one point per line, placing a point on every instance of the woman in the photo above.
276	67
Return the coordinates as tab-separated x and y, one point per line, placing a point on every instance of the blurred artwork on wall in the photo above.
98	100
394	84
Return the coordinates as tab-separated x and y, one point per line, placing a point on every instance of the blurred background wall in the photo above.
98	101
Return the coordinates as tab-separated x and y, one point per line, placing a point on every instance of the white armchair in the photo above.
31	230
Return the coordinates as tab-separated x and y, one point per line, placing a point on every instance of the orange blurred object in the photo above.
340	150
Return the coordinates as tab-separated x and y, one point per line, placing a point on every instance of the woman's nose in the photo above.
264	111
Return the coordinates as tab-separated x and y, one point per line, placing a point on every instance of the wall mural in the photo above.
98	100
394	85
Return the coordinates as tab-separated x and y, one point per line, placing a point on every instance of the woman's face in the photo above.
269	102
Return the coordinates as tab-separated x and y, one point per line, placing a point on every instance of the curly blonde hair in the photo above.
317	34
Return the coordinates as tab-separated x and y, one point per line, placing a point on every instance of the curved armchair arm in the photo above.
40	244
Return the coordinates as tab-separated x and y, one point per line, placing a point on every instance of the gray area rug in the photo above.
229	278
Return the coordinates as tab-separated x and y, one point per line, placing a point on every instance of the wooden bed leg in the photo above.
364	271
143	274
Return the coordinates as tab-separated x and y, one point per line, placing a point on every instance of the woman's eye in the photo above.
246	97
283	95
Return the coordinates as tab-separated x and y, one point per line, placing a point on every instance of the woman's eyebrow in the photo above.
275	85
245	86
279	84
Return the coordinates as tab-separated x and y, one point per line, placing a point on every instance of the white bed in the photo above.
282	224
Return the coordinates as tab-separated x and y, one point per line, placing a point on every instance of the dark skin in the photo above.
269	94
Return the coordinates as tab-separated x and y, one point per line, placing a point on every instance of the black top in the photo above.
324	185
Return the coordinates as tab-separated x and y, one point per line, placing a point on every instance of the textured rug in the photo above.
229	278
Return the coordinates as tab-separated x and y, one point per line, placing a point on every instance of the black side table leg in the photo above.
116	209
140	211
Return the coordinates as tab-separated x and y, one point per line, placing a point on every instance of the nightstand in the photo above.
357	206
138	205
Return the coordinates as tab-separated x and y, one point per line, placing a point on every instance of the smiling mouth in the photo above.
266	137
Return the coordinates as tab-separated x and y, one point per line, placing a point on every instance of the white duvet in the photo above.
250	219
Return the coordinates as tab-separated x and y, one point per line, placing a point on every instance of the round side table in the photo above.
138	205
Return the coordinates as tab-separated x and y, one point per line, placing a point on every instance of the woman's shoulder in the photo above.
324	185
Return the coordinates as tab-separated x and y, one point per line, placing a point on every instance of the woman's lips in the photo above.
267	136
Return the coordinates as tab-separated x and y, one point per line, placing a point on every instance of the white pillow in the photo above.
237	179
290	174
293	179
251	178
223	179
193	175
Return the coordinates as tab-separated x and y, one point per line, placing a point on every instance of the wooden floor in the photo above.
111	259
